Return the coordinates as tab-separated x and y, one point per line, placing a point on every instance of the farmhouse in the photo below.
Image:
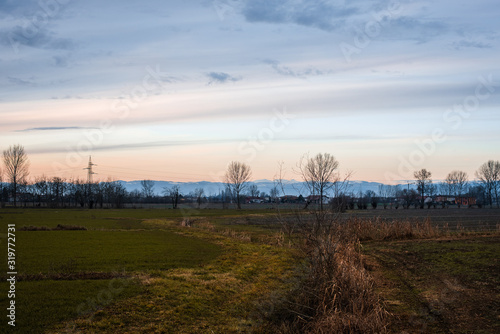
289	199
253	199
463	200
316	199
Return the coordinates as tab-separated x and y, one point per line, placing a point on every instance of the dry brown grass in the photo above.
59	227
377	229
338	295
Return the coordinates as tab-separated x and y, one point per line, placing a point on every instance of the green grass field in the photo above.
107	251
222	271
132	265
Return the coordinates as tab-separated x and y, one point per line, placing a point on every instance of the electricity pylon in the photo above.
89	169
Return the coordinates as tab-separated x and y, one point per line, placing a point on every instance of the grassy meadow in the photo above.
229	271
139	271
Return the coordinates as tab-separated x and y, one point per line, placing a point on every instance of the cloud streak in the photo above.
288	71
55	128
462	44
314	13
221	78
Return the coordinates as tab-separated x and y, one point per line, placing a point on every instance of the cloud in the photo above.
34	37
61	60
470	44
319	14
21	82
421	30
54	128
17	7
287	71
221	77
57	148
27	23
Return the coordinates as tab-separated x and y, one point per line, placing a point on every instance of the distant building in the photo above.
464	200
316	199
252	199
445	199
289	199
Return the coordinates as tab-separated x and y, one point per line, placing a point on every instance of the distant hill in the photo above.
291	187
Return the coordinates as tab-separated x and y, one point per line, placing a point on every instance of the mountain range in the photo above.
290	187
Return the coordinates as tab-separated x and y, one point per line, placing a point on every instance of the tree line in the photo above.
319	173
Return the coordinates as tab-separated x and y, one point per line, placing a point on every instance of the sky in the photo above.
176	90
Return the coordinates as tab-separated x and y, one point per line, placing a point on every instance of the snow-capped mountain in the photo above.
289	187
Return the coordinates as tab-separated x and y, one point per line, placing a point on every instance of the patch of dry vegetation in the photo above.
377	229
59	227
337	294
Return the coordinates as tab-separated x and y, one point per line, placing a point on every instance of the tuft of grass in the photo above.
59	227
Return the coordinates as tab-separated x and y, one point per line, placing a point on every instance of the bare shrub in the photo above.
60	227
244	236
337	295
186	222
34	228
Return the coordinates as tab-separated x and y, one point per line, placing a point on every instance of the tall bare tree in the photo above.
319	173
254	191
57	188
174	193
41	189
236	178
489	175
17	166
148	189
457	183
199	194
1	188
423	178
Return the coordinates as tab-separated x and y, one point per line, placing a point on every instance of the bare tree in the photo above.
1	188
423	178
116	193
174	194
431	192
41	189
382	192
17	165
489	175
199	194
273	194
236	178
319	173
457	183
57	188
254	191
148	189
445	188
